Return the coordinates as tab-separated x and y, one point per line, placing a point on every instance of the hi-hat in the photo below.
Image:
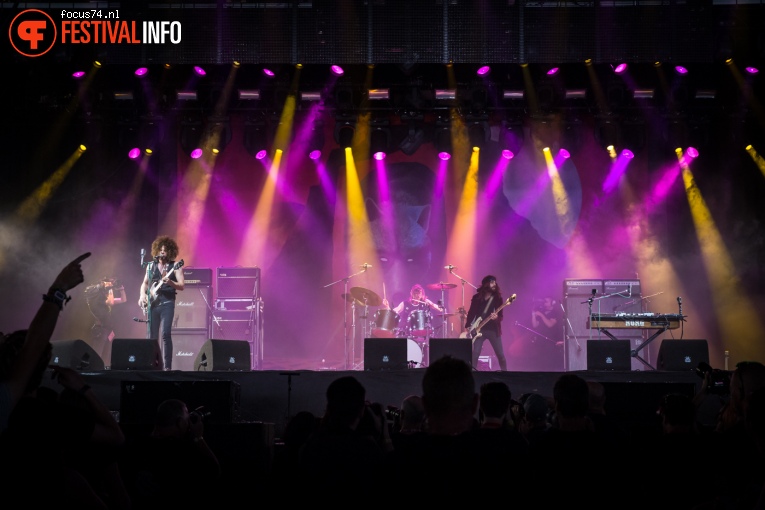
366	296
441	286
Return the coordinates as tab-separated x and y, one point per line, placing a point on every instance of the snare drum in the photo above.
386	323
419	323
413	353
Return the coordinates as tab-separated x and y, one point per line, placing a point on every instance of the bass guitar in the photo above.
154	290
475	328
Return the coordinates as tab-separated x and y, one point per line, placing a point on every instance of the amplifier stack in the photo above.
239	309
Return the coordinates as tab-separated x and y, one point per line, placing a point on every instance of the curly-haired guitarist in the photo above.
163	278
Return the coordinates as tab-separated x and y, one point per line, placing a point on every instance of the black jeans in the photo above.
162	314
496	343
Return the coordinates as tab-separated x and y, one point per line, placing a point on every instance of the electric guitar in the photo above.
154	290
475	328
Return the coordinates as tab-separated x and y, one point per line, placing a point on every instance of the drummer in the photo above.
417	301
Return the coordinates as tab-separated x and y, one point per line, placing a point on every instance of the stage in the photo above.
272	396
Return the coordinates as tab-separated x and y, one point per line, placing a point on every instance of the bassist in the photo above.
162	280
484	305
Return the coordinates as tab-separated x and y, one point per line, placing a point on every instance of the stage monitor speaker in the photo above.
186	346
460	348
76	354
386	354
191	307
682	355
608	355
136	354
139	400
223	355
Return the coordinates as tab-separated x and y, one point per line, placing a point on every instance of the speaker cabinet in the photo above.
608	355
136	354
234	324
76	354
187	343
682	355
460	348
223	355
238	282
139	399
191	308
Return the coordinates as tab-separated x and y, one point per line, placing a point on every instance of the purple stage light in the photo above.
681	70
336	69
692	152
444	155
508	154
261	154
564	153
196	153
483	70
199	71
553	71
621	68
141	71
752	70
315	154
78	74
134	153
379	156
628	154
269	73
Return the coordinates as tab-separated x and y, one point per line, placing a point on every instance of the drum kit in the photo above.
386	323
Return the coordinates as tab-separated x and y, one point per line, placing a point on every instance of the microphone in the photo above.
143	254
449	267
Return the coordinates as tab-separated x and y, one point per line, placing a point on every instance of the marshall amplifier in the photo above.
235	304
197	276
238	282
192	308
582	287
625	288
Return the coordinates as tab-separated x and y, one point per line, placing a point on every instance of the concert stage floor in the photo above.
271	396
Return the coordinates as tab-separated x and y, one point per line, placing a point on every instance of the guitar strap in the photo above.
488	304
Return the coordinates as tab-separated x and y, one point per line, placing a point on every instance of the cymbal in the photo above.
365	295
441	286
348	297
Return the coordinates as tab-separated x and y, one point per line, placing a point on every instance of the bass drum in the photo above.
386	323
413	354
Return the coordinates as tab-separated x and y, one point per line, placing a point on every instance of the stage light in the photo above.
483	71
443	141
478	134
337	70
268	72
379	142
78	74
553	71
316	141
255	137
507	154
628	154
191	134
344	131
692	152
621	68
199	71
134	153
681	70
752	70
196	153
141	71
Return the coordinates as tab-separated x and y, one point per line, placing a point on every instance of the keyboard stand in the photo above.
634	352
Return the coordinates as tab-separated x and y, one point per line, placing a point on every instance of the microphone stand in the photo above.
462	311
345	310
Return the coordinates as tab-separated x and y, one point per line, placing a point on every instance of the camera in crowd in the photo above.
719	380
200	413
